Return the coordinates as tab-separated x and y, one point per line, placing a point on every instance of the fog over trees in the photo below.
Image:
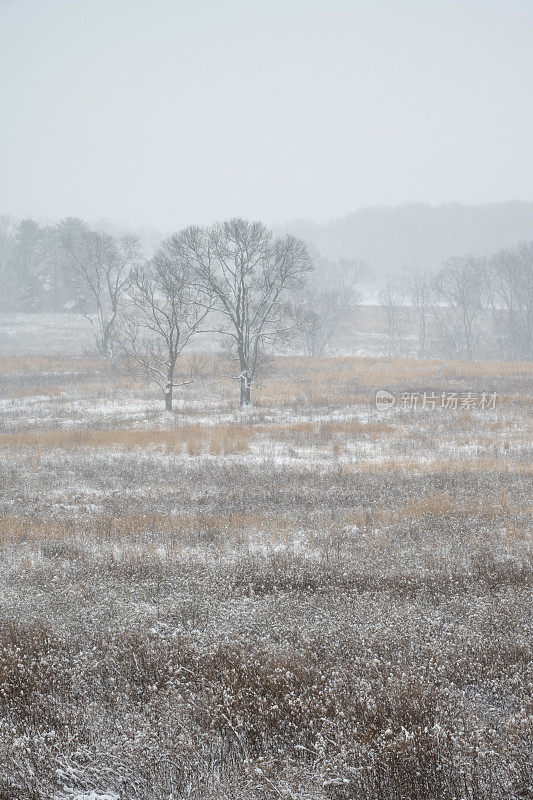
167	307
100	268
266	380
417	235
251	276
265	293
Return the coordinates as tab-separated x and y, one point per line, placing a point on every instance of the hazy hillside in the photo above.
419	235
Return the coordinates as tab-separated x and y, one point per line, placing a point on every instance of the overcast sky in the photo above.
169	112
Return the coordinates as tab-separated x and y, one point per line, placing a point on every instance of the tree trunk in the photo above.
245	391
168	398
422	337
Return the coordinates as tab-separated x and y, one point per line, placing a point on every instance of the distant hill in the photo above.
418	235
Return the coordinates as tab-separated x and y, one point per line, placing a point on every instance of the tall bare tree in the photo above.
392	301
323	312
101	266
419	296
512	280
250	276
167	308
327	309
461	300
8	242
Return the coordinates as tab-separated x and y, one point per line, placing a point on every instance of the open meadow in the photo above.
309	599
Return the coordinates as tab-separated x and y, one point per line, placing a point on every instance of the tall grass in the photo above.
192	439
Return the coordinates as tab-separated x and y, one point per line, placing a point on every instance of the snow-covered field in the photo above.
311	599
67	334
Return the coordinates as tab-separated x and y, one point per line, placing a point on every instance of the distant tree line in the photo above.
473	307
233	278
258	293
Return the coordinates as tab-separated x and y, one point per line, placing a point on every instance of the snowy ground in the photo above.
313	599
67	334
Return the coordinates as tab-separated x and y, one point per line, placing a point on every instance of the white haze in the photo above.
171	112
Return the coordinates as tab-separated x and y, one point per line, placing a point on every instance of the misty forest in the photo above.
265	431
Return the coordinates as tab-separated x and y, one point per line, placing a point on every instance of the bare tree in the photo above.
101	266
392	301
168	309
250	275
419	296
461	299
511	274
324	313
68	293
8	230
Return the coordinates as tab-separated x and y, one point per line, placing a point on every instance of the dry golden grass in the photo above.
34	391
174	530
340	380
326	432
456	466
17	529
443	505
103	388
32	365
336	449
355	429
368	371
164	529
500	424
193	439
292	381
489	369
376	370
